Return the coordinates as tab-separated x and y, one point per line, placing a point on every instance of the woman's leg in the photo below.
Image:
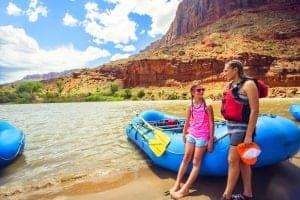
233	171
188	153
198	155
246	173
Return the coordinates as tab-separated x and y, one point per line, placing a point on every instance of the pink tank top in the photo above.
199	123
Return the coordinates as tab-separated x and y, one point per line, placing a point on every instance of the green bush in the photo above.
29	87
172	96
114	88
127	94
25	97
6	97
140	94
60	86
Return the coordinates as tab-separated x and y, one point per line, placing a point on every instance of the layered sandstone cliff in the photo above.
158	71
193	14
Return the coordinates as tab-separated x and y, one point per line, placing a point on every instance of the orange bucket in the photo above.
248	152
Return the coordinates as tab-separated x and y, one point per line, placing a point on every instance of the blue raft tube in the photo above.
12	142
294	109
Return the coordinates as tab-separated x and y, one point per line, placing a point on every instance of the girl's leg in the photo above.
233	171
188	153
198	155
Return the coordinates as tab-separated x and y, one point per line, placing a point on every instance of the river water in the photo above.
69	141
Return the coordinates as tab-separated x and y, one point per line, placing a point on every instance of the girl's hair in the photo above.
237	64
192	99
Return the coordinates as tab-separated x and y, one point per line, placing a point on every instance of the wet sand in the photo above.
276	182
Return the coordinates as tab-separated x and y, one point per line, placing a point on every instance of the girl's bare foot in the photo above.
174	189
180	194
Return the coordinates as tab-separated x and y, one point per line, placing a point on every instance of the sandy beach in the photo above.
275	182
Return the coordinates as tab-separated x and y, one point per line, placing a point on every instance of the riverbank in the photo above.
36	92
276	182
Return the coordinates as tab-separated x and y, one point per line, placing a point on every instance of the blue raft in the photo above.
295	111
12	141
278	137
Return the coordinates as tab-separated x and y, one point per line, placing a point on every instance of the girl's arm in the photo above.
187	123
210	112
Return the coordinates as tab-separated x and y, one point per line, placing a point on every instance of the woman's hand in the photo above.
210	145
248	139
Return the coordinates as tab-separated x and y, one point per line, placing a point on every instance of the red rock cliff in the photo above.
192	14
156	72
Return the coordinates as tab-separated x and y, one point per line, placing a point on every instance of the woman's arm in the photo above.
252	94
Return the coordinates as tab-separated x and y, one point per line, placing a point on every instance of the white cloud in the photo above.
142	32
126	48
115	26
162	12
34	10
109	25
112	1
13	10
119	56
69	20
18	50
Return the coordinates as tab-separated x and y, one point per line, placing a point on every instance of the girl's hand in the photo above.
184	138
210	145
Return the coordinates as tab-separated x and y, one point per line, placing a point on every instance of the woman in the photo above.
240	130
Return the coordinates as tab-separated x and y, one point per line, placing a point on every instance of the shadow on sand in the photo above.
276	182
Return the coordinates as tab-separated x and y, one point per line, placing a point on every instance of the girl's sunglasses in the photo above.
199	90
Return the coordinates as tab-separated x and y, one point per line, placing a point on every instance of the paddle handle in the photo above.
146	123
140	132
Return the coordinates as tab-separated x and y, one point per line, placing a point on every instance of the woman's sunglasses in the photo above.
199	90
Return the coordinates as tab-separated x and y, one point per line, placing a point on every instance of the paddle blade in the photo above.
157	147
161	136
159	144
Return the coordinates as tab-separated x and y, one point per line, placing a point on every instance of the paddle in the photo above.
161	140
156	146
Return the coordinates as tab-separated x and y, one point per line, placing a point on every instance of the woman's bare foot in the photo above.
180	194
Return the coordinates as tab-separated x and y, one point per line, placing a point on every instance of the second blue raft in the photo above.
12	141
294	109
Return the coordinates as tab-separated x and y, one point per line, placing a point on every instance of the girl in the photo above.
198	135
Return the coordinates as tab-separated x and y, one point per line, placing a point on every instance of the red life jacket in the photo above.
233	107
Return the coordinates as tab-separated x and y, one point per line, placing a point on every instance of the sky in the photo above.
42	36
